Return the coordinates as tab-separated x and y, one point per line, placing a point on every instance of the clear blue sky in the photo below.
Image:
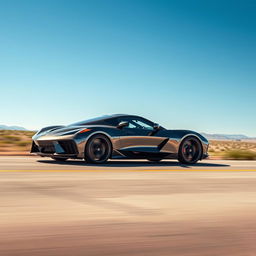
185	64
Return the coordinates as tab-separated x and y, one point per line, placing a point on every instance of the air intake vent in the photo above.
46	146
69	146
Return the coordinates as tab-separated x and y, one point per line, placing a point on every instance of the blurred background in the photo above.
183	64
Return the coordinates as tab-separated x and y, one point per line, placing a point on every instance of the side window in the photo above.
131	125
142	125
136	123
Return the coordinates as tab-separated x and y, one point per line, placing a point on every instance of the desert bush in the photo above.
240	155
11	138
15	140
3	144
23	143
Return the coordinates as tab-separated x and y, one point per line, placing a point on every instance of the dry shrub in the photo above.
240	155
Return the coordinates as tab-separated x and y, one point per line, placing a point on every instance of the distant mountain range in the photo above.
227	137
14	127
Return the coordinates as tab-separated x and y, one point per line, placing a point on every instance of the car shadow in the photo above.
133	163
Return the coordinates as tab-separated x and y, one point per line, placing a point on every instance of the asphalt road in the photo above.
127	208
40	163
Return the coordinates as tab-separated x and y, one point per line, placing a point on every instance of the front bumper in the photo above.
61	148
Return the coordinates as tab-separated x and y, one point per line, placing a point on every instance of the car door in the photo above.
139	136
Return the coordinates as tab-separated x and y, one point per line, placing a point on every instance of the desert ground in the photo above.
127	208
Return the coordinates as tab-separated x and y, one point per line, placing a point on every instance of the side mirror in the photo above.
122	124
156	126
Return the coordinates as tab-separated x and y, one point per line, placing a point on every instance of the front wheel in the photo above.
98	149
190	150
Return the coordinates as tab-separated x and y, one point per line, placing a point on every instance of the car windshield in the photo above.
100	118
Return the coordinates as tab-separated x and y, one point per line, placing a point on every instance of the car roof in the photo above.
100	119
119	115
122	115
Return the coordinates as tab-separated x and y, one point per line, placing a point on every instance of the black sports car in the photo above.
119	136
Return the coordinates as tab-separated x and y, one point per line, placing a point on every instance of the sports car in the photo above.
119	137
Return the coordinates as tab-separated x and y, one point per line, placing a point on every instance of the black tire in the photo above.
155	159
190	150
60	159
98	149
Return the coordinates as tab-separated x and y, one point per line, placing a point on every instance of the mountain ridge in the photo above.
219	136
12	127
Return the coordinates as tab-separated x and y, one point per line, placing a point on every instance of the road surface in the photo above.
127	208
40	163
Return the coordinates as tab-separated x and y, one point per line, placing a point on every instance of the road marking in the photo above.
139	170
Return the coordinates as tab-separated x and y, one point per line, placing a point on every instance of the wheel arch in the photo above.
99	133
195	136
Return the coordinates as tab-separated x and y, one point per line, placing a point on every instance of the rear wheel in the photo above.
60	159
98	149
190	150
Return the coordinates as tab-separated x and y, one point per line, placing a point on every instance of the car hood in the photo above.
58	131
